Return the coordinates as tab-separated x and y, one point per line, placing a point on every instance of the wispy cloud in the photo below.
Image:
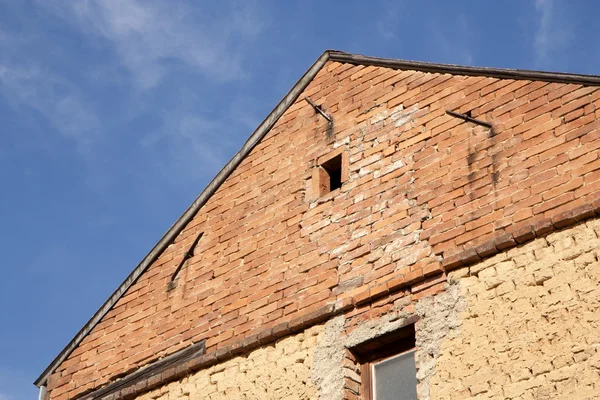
542	40
195	146
388	25
150	38
54	98
61	119
552	33
139	45
452	40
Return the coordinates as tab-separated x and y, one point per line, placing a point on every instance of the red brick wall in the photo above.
422	186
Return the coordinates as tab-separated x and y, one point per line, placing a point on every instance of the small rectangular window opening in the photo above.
395	377
333	170
388	368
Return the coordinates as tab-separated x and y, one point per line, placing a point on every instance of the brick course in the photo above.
423	188
280	371
519	325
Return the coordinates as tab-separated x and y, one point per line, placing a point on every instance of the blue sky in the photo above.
115	114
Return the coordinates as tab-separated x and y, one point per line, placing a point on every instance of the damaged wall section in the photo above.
520	325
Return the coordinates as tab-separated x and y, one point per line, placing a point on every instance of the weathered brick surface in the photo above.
280	371
530	328
520	325
421	186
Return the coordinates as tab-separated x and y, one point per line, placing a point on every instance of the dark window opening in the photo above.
333	169
388	368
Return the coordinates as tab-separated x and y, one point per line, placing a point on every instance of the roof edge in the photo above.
264	127
503	73
168	238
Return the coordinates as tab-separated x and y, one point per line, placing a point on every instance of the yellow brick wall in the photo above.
280	371
531	329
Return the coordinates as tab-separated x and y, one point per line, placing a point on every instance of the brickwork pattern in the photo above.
280	371
328	370
520	325
531	327
421	186
434	306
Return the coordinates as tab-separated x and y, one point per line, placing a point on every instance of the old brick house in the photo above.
389	224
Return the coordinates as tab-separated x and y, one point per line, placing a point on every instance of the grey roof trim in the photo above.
172	233
263	129
465	70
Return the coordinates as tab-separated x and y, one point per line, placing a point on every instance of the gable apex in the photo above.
453	69
260	132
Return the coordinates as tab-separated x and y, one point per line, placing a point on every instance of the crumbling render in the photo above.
439	319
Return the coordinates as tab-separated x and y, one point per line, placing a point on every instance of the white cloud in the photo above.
135	45
149	37
195	146
52	97
543	34
388	25
552	35
452	40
